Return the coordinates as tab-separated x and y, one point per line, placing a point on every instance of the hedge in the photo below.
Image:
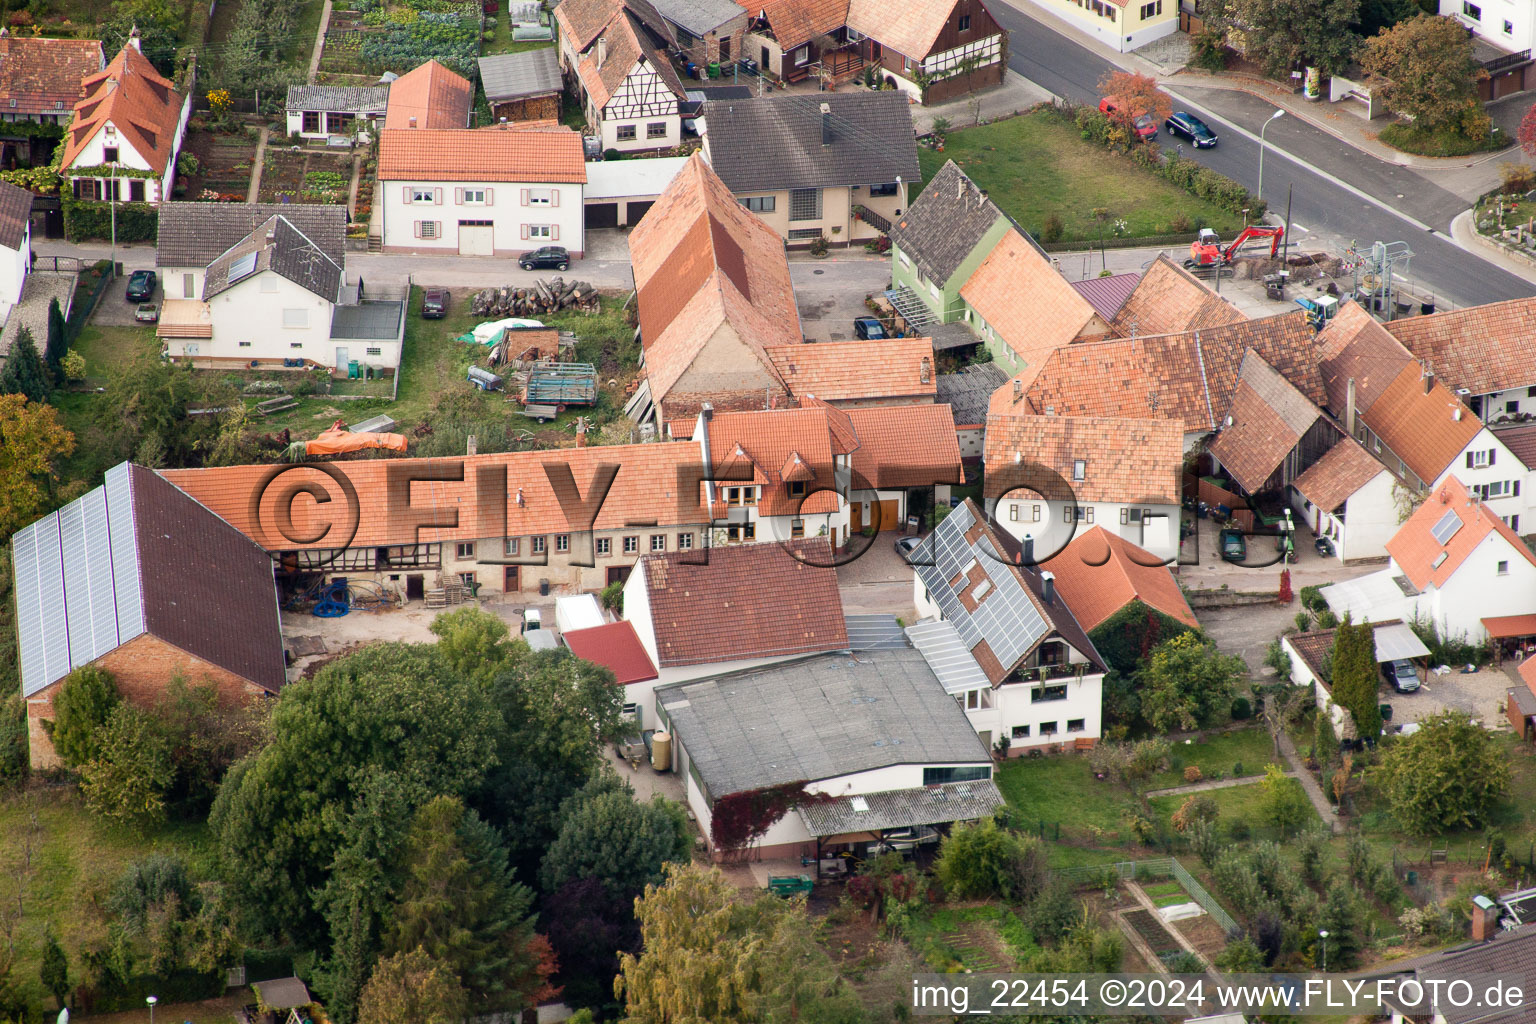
180	987
1190	175
83	218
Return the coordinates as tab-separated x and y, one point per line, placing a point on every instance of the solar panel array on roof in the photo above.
1006	618
1446	528
77	583
940	645
242	267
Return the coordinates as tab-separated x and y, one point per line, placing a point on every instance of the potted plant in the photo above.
819	247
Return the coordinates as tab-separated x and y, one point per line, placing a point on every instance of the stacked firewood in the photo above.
543	297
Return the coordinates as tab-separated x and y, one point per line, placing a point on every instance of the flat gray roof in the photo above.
370	320
818	718
902	808
875	633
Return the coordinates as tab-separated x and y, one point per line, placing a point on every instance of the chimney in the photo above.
602	51
413	122
133	39
1429	380
581	433
1018	389
1048	581
927	371
708	412
1349	408
471	444
1485	919
1029	551
521	501
826	124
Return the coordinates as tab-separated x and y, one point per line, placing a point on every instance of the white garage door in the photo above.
476	238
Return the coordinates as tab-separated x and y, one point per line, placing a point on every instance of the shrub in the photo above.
84	704
1303	620
1052	229
612	596
1180	224
1242	709
1240	830
1192	773
1327	620
1517	178
1237	770
983	861
1276	658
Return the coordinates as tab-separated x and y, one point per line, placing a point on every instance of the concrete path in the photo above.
314	57
1308	783
253	193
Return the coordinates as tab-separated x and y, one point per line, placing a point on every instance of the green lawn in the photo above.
1234	803
76	858
107	348
1216	756
1036	165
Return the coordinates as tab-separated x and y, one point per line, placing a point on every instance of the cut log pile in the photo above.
550	296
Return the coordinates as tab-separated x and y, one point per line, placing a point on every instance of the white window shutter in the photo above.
458	197
407	190
417	226
523	199
554	197
490	196
437	196
554	233
524	230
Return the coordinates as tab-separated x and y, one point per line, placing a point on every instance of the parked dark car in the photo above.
141	285
550	256
1233	547
1192	128
434	304
1401	674
869	328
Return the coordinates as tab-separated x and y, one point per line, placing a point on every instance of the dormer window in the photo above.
797	488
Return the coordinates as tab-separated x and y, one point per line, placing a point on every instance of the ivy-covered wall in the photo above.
1127	636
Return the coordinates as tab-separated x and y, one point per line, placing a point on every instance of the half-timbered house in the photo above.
620	71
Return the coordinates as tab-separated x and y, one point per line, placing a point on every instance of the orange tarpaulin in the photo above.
338	440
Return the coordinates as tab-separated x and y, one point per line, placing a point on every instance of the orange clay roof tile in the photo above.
1099	573
531	155
142	105
1416	552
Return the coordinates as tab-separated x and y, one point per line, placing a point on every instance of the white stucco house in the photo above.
130	122
487	192
277	299
15	244
1454	563
1349	498
618	67
1002	639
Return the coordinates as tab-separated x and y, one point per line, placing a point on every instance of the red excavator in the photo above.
1206	251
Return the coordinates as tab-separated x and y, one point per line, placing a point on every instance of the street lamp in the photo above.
1277	115
151	1000
113	205
1322	935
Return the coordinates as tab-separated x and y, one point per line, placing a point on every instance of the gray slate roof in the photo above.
15	209
901	808
282	248
776	143
969	392
343	99
513	76
944	223
699	16
827	716
195	234
1508	956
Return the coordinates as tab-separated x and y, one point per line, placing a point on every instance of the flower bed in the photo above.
1509	222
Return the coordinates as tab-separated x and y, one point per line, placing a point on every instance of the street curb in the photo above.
1461	233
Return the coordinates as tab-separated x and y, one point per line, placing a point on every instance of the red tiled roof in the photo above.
1126	461
1099	573
1480	348
746	601
615	646
1521	442
1415	550
644	490
911	27
799	21
846	370
623	45
702	264
1505	626
1528	673
1266	420
517	155
1343	470
1170	300
142	105
43	75
581	21
1028	304
1354	346
905	446
1426	429
434	96
768	442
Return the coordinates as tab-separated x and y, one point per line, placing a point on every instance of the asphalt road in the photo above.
1384	202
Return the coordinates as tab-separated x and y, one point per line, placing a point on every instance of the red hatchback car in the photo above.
1146	127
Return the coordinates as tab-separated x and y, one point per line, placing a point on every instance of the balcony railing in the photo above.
1509	60
1041	673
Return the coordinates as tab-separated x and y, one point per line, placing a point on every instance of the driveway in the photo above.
1247	631
114	309
878	581
1479	694
830	292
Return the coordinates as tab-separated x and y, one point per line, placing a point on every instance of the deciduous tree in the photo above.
1446	776
1284	35
1135	94
131	772
413	988
1424	68
1185	682
621	843
982	861
80	712
1284	805
1528	132
31	443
